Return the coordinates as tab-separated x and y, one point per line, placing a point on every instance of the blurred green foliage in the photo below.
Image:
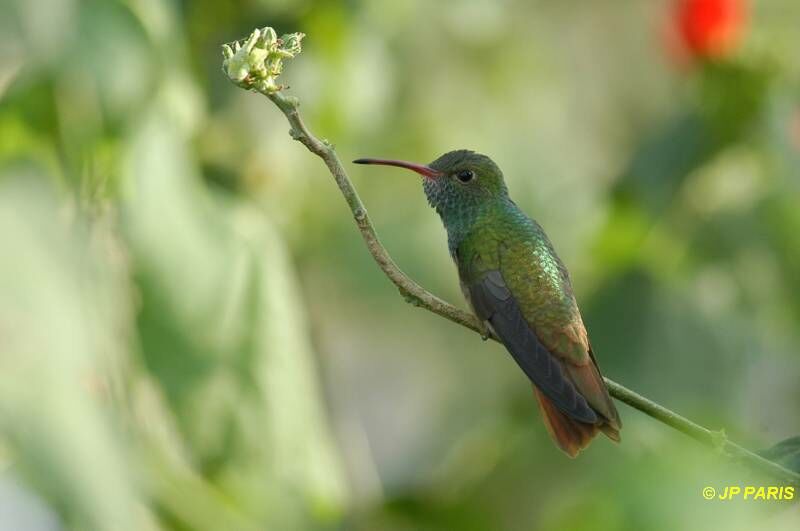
192	335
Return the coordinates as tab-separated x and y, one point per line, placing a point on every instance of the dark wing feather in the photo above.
494	303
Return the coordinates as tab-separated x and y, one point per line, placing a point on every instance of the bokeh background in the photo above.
192	335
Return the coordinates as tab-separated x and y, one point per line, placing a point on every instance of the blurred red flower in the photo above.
706	29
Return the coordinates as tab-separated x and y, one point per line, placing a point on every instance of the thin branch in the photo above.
420	297
714	439
411	291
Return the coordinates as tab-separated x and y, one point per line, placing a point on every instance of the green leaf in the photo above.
786	452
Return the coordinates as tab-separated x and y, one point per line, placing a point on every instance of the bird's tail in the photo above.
571	435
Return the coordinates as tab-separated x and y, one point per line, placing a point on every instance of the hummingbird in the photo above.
520	291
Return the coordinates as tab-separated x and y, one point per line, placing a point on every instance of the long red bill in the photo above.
419	168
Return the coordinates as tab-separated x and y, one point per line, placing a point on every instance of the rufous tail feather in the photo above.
571	435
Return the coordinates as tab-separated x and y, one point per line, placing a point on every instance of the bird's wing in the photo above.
523	292
494	303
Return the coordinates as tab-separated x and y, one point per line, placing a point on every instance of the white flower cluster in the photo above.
257	63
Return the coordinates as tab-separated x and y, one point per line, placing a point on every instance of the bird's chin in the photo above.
434	190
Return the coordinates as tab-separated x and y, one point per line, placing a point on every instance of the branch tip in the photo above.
256	62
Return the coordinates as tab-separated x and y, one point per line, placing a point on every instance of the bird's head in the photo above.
458	183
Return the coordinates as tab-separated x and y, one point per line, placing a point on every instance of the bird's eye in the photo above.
465	176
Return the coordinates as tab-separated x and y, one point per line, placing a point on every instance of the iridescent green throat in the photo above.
461	205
